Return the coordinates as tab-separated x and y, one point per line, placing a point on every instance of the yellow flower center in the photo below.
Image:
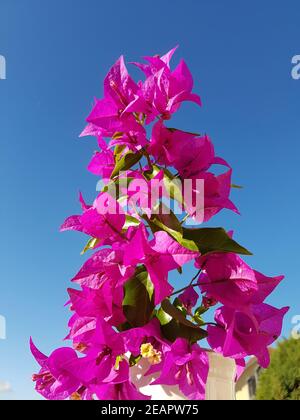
150	353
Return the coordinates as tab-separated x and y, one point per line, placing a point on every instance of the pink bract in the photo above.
186	366
240	334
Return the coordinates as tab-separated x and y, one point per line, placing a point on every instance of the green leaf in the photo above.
126	162
115	186
151	173
122	182
138	303
167	221
167	218
197	317
131	221
175	325
201	310
213	240
90	245
157	225
163	317
154	228
141	278
178	305
119	149
174	330
124	327
172	185
176	314
205	240
173	188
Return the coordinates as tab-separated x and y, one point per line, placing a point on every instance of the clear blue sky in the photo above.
57	54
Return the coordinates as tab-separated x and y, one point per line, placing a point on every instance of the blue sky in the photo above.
57	54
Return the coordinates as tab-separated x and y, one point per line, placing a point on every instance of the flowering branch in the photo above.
121	309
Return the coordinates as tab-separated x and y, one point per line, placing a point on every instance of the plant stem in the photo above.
198	284
184	288
194	278
184	219
146	154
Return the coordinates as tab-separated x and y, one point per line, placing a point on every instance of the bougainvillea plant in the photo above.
156	180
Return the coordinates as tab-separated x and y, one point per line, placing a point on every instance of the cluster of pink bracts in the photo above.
124	309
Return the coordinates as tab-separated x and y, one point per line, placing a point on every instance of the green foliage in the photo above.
130	221
281	381
138	303
214	240
197	317
90	245
174	324
126	162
